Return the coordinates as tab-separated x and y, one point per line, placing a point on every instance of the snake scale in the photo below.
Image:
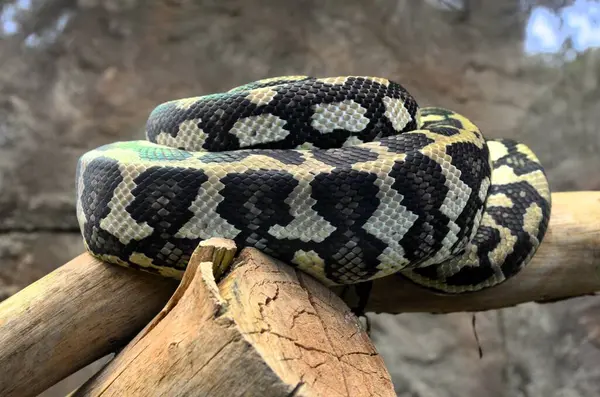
344	177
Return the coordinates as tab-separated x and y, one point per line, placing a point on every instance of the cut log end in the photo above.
260	327
264	330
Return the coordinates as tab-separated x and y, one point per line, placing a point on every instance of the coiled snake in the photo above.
344	177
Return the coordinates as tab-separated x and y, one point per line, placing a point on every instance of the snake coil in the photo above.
344	177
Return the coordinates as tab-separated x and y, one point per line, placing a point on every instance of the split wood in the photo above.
265	329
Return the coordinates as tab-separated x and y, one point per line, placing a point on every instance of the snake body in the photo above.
344	177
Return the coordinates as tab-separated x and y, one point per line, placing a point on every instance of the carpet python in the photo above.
345	178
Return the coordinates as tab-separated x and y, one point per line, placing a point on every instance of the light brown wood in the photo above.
302	330
566	265
264	331
86	309
73	316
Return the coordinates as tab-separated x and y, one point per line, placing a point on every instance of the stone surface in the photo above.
76	75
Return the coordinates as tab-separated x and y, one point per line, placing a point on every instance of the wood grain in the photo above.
87	309
73	316
566	265
264	331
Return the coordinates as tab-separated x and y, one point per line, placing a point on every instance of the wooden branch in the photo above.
264	331
566	265
86	309
73	316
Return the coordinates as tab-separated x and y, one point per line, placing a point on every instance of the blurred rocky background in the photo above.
78	74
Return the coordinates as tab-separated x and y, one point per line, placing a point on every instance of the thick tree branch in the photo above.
75	315
264	331
566	265
86	309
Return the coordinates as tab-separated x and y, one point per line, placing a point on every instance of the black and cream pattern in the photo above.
344	177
